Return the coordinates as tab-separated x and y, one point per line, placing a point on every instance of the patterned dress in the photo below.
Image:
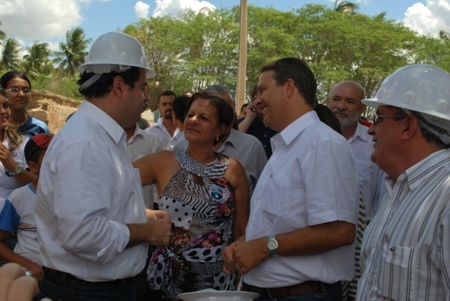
201	203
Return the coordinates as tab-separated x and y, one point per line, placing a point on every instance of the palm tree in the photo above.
37	61
2	34
72	52
10	54
345	7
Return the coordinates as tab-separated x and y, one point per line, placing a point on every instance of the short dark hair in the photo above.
297	70
431	138
13	74
3	92
166	93
225	113
103	85
179	106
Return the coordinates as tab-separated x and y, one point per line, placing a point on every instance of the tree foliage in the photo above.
194	50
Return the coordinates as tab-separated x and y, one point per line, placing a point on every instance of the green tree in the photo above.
2	34
37	61
10	54
73	52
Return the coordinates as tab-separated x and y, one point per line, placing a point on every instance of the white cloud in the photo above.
39	19
429	18
172	7
141	9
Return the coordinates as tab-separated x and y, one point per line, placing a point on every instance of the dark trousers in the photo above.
328	292
60	286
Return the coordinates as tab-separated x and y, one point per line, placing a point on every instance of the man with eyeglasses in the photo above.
18	87
345	102
405	249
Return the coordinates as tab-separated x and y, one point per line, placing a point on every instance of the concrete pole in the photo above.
242	67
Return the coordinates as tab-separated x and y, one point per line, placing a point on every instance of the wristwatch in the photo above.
17	171
272	245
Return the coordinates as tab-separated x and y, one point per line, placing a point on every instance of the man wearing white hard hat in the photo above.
406	247
93	227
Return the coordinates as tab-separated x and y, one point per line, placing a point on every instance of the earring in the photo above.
216	140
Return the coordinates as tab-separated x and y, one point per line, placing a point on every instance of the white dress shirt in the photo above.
310	179
88	191
406	247
370	176
160	130
139	145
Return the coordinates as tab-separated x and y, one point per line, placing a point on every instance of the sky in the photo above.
48	20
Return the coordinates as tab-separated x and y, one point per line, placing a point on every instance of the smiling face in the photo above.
271	101
201	124
345	102
20	93
386	136
5	112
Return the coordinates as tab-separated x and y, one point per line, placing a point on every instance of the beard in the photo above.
168	115
348	120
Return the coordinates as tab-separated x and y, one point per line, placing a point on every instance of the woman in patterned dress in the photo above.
207	195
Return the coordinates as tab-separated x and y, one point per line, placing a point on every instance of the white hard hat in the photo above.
421	88
115	51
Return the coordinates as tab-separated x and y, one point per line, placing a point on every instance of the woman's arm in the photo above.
237	177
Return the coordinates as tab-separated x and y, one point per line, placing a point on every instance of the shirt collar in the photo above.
104	120
360	133
299	125
231	139
421	171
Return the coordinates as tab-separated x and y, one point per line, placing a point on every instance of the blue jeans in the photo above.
61	286
331	294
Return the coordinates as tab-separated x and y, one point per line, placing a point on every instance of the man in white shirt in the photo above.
299	241
405	249
345	102
94	230
164	127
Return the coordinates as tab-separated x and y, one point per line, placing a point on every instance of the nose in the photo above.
341	106
371	130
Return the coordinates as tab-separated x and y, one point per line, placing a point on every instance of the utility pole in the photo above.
242	66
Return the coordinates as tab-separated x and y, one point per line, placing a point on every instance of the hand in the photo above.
242	256
36	271
250	110
6	158
158	214
15	286
159	229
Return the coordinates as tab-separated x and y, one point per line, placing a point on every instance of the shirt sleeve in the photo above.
9	218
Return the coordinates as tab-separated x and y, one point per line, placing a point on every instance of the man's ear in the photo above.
118	86
411	127
290	87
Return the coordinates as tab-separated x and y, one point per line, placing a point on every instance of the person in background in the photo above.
179	106
243	113
164	127
405	250
253	124
18	87
299	242
94	230
139	144
207	194
345	102
18	212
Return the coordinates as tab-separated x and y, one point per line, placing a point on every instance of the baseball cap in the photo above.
37	143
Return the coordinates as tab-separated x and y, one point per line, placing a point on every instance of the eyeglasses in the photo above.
15	90
380	118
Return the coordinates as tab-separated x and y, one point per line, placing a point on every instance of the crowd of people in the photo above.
292	199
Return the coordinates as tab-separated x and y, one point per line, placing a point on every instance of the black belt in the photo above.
307	287
58	276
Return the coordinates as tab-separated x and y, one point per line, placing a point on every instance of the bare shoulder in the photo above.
235	172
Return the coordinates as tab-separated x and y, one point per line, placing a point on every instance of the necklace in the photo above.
193	166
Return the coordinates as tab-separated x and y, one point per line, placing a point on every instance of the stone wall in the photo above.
51	108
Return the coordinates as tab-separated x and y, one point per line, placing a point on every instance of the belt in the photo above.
63	277
307	287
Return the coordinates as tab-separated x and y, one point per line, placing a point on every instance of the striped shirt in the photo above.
406	248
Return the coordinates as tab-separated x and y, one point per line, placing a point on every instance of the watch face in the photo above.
272	244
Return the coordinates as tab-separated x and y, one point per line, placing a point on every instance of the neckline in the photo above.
188	163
